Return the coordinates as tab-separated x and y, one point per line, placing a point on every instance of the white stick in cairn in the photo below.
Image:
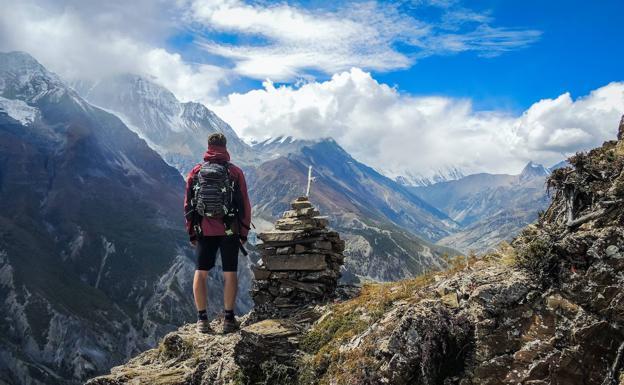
310	179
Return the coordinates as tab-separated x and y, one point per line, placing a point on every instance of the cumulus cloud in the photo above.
378	124
295	40
400	133
92	40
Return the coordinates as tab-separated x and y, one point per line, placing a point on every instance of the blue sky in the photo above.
407	86
577	51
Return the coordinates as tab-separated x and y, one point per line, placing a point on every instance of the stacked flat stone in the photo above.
300	262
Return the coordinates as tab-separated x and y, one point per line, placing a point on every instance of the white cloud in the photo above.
378	124
393	131
302	40
485	40
295	40
88	40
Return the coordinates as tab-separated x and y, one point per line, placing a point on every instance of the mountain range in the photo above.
462	212
545	309
94	262
383	223
93	258
392	222
408	178
466	213
489	208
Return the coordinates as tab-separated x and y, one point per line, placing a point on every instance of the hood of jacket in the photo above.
218	154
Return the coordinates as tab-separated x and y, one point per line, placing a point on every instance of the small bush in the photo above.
536	255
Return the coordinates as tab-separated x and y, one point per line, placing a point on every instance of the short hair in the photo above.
217	139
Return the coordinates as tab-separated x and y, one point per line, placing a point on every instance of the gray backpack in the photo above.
214	191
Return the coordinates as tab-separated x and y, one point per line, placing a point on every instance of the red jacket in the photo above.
212	226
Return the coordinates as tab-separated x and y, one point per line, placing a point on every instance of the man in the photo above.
218	214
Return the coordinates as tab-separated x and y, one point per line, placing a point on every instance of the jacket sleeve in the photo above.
188	209
246	217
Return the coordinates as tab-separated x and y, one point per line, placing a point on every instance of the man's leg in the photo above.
200	290
206	253
230	289
229	259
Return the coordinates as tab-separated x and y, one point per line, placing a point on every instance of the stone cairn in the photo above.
300	262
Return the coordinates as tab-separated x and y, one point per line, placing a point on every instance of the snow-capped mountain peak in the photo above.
178	131
442	174
26	86
532	170
23	77
274	147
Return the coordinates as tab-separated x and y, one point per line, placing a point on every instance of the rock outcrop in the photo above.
300	263
546	309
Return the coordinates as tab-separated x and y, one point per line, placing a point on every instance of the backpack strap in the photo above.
229	217
195	218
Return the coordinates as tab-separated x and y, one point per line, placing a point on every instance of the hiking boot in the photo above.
203	326
230	325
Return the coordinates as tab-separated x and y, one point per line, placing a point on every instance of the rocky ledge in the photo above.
189	357
546	309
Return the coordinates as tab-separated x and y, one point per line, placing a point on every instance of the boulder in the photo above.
260	273
281	236
295	262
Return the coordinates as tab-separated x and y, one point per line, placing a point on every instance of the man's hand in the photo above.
193	242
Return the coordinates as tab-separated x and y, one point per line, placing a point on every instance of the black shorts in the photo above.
207	252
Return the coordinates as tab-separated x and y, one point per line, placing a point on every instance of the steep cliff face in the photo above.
547	309
93	259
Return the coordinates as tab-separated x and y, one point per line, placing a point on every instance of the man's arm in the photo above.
188	207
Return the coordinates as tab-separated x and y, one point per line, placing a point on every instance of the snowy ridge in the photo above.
177	131
274	147
275	140
442	174
25	79
18	110
532	170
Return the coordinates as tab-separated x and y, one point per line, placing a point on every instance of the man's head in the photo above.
217	139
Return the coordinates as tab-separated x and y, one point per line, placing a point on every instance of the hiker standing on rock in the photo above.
218	214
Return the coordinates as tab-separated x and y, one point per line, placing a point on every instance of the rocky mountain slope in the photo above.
372	211
489	208
383	239
545	310
93	259
177	131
